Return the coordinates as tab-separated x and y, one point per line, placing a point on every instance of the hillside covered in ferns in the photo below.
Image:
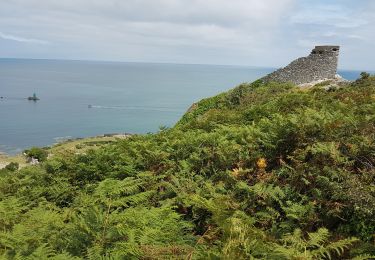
264	171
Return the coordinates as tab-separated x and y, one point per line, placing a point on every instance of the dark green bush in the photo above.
13	166
37	153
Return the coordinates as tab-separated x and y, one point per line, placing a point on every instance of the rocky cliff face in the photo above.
321	64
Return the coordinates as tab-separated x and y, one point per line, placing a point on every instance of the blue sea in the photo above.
86	98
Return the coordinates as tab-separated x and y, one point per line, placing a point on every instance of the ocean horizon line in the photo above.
170	63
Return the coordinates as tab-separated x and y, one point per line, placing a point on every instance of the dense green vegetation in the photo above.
264	171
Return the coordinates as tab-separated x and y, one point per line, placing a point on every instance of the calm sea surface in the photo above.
123	97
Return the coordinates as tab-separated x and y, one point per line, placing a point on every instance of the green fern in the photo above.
242	239
268	191
317	246
45	252
364	257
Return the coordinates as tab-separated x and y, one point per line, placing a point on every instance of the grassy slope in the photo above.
6	159
70	146
262	171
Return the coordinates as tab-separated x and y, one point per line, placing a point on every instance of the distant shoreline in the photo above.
4	154
115	135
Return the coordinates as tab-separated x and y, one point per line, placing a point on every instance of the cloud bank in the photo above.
244	32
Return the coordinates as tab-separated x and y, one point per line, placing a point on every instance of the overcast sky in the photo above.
239	32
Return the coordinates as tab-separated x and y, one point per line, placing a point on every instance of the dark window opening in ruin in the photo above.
334	49
320	52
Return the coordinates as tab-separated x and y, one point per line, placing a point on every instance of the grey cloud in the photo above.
251	32
21	39
197	22
329	15
221	12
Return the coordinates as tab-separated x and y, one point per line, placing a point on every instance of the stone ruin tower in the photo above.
321	64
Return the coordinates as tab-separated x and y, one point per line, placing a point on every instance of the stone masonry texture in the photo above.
321	64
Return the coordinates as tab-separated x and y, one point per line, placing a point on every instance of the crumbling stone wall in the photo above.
321	64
